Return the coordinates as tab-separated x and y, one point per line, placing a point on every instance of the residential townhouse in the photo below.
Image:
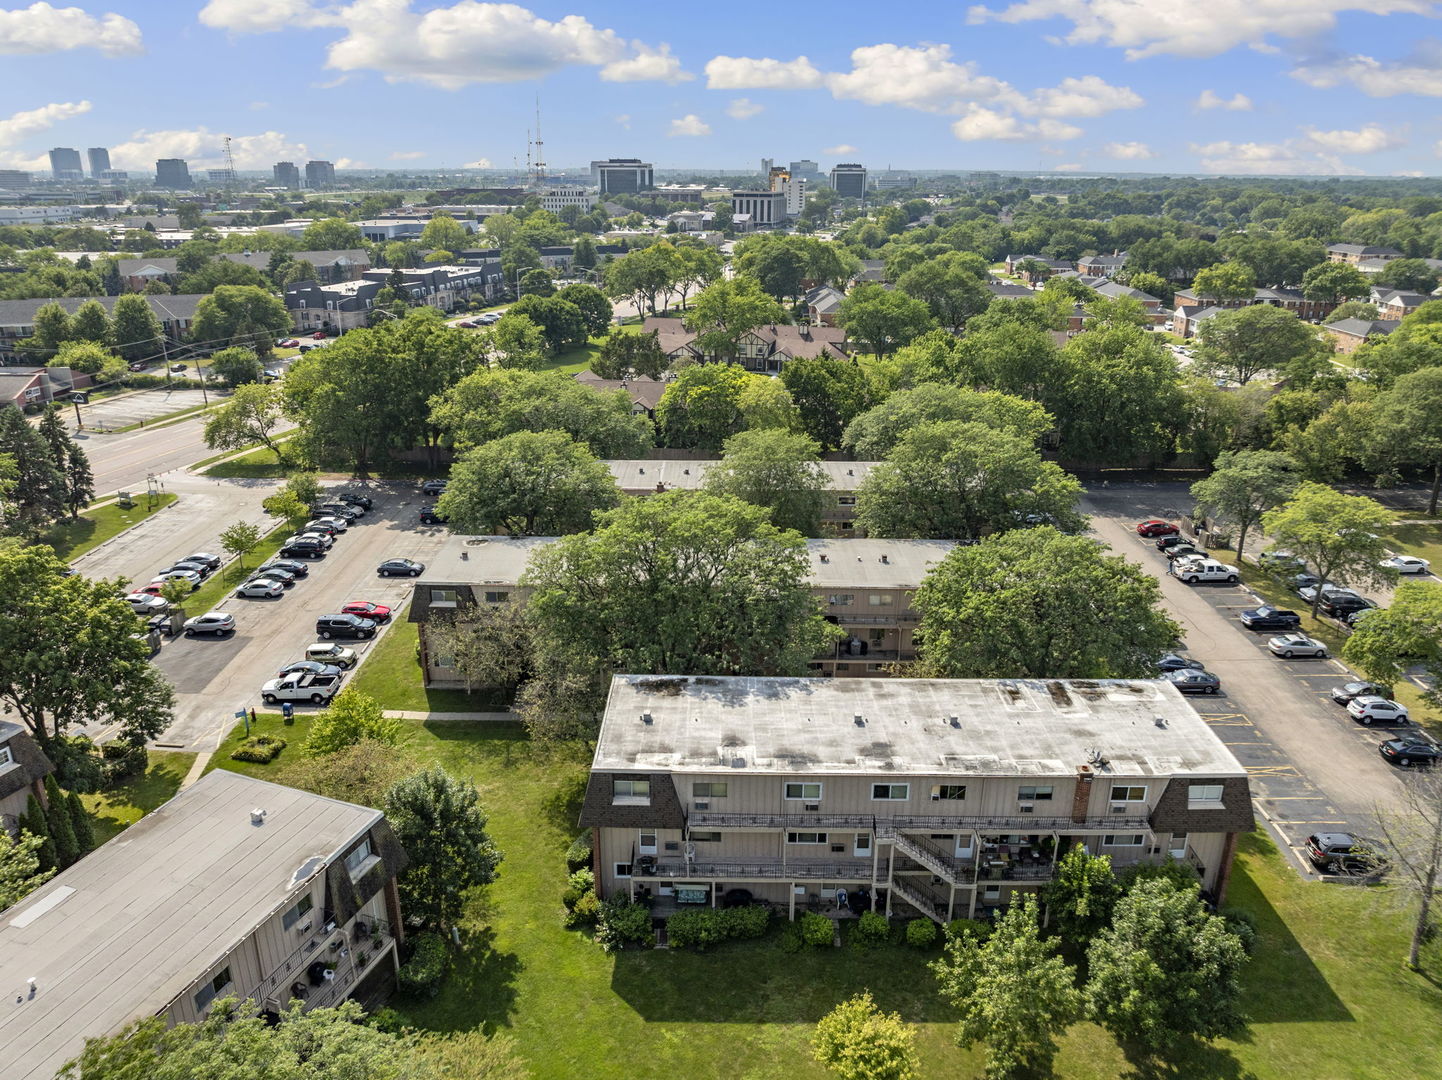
23	769
1355	254
1348	335
1101	265
1014	263
17	317
940	797
764	350
330	266
1193	307
1376	266
644	392
235	887
346	305
823	305
1150	304
1394	305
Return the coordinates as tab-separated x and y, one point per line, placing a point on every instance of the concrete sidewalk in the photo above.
491	717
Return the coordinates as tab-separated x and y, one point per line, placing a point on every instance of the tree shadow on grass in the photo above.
1193	1059
480	989
115	810
561	805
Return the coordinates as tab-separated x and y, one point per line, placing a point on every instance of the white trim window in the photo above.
802	791
890	792
708	789
1128	793
806	838
1204	796
1123	840
212	989
948	792
621	869
630	791
1034	793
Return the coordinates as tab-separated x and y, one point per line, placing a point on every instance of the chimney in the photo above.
1081	798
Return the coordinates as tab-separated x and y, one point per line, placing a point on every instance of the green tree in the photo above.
1225	281
583	254
1352	309
20	870
873	434
726	311
135	328
489	645
1244	485
561	322
438	820
88	358
624	354
537	282
1407	634
1411	833
34	822
331	234
57	821
513	341
91	323
240	539
1119	398
251	415
1152	285
37	490
528	483
951	286
957	479
1336	534
1165	970
857	1041
775	469
1410	275
1333	282
471	1055
1240	343
81	823
591	302
883	320
236	366
1407	425
53	328
241	315
766	403
828	393
1015	995
1009	357
701	407
1036	603
79	480
351	717
444	232
1080	898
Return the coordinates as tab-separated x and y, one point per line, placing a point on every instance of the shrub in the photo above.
817	929
579	853
704	927
146	381
791	939
1243	925
620	923
584	912
259	749
387	1020
78	765
870	930
921	933
120	760
980	930
582	880
421	975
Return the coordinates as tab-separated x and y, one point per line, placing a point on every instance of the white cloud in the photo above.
920	77
1129	151
839	148
479	163
408	155
1186	28
41	28
1370	139
624	119
1420	73
204	149
1090	96
744	109
1070	166
745	73
256	106
1238	102
453	46
17	127
1314	153
981	123
690	124
350	163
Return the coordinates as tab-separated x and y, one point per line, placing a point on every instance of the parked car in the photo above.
265	588
367	610
1156	527
355	498
328	526
206	558
307	667
276	574
307	346
433	487
303	548
1340	605
1197	570
332	654
348	626
287	343
1343	694
1310	593
1171	540
190	577
1406	564
1194	681
1354	618
145	604
219	623
430	517
271	374
401	568
1367	709
1288	646
1280	560
1174	662
1270	618
343	510
290	566
1409	750
152	589
1184	550
319	335
200	570
466	324
321	536
177	367
1344	853
1301	581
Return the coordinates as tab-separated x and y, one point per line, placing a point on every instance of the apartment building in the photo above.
762	208
1357	253
330	266
936	797
23	769
849	180
763	350
17	317
622	176
235	887
346	305
558	198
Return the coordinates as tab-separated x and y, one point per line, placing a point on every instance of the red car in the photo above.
319	335
367	610
1157	527
466	324
286	343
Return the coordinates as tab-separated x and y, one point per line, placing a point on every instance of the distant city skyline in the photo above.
1310	87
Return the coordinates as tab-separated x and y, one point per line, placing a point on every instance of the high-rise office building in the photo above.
286	174
623	176
768	166
99	161
14	178
849	180
172	173
319	174
806	170
65	164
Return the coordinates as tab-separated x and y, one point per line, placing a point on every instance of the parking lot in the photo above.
1312	768
146	405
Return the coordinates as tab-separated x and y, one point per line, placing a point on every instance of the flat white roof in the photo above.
930	727
637	473
123	932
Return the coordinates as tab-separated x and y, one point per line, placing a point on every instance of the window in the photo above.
846	500
300	911
1204	793
443	598
1123	793
6	757
806	838
891	791
207	993
948	791
708	790
634	792
880	599
840	599
703	837
1032	793
443	660
1122	840
647	843
356	860
621	869
498	597
803	791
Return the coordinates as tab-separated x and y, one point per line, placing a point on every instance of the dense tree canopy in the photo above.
775	469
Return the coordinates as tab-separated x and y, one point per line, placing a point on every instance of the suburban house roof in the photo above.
1114	290
260	260
643	390
1364	249
1376	266
128	928
869	563
792	342
824	299
1117	259
166	308
933	727
27	761
1362	328
1400	297
1007	290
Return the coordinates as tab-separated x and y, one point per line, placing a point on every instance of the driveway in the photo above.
1311	766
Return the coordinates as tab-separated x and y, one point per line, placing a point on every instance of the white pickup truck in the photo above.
317	689
1193	570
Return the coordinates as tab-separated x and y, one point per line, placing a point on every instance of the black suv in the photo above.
303	548
433	487
350	626
430	517
1340	605
1344	853
363	501
1270	618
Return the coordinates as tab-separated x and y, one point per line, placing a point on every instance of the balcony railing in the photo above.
318	950
780	869
842	615
870	655
709	820
936	823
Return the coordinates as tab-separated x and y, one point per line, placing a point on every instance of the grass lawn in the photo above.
113	811
259	464
392	675
71	539
1326	992
1424	541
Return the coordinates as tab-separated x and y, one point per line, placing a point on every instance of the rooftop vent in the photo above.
645	718
1096	758
257	816
885	559
1161	721
643	470
825	557
955	721
859	720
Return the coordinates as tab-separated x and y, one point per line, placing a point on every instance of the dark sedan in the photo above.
307	667
401	568
1194	681
430	517
1174	662
1409	750
1270	618
1347	691
291	566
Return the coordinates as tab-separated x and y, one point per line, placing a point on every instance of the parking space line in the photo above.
1272	770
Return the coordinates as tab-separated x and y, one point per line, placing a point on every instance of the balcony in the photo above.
327	966
797	869
844	617
866	654
931	823
709	820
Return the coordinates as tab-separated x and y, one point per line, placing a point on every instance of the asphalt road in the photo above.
1312	767
215	677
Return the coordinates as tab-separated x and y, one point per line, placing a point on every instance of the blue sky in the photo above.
1234	86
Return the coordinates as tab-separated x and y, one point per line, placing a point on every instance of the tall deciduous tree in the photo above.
951	286
37	490
331	234
444	232
438	820
726	311
701	407
240	539
528	483
241	315
20	871
591	302
53	328
1333	282
1337	534
1036	603
883	320
1119	399
958	479
1412	275
1166	969
251	415
91	323
489	643
1080	899
1406	634
874	433
1244	485
1407	425
1015	995
858	1041
236	365
624	354
775	469
1225	281
561	322
828	393
1241	343
135	328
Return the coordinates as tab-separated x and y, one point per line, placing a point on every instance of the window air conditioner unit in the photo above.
1119	808
702	805
936	796
813	806
1025	808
